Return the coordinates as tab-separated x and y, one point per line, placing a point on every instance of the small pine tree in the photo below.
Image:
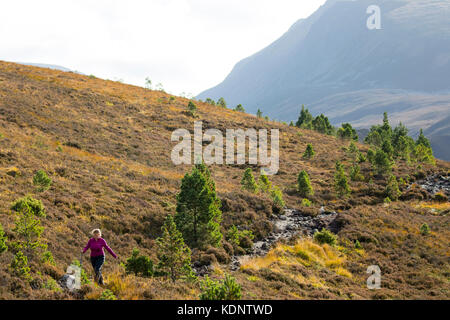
305	119
392	191
424	154
381	163
264	183
107	295
192	109
28	225
227	289
424	229
353	149
259	114
309	152
347	132
3	241
355	173
277	197
221	102
174	256
371	156
239	108
423	140
304	184
361	158
248	181
19	266
42	181
140	265
198	214
387	148
340	181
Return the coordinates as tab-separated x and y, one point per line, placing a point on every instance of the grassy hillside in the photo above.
106	146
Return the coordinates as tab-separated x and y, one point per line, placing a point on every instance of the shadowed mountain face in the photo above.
335	65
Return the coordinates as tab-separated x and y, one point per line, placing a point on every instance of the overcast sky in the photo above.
187	45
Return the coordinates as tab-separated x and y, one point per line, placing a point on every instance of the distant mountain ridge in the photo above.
49	66
335	65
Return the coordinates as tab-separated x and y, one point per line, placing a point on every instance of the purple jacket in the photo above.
97	246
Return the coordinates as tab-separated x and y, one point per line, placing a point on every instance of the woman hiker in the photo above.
96	244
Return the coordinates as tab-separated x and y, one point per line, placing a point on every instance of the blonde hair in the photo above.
96	231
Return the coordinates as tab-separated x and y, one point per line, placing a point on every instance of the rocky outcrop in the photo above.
436	183
291	223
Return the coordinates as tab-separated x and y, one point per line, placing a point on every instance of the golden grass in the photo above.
304	252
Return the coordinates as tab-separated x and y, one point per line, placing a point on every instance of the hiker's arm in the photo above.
87	246
110	250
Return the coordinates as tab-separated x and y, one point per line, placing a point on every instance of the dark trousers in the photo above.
97	264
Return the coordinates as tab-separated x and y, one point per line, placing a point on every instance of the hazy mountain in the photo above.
49	66
334	64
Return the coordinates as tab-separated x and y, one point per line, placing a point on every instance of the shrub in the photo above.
220	254
174	256
309	152
440	197
236	237
84	276
227	289
325	236
52	285
140	265
42	181
47	257
107	295
3	241
306	203
424	229
248	181
304	184
358	244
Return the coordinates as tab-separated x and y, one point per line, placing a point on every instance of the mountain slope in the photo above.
332	59
106	146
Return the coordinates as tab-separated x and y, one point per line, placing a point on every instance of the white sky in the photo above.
187	45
